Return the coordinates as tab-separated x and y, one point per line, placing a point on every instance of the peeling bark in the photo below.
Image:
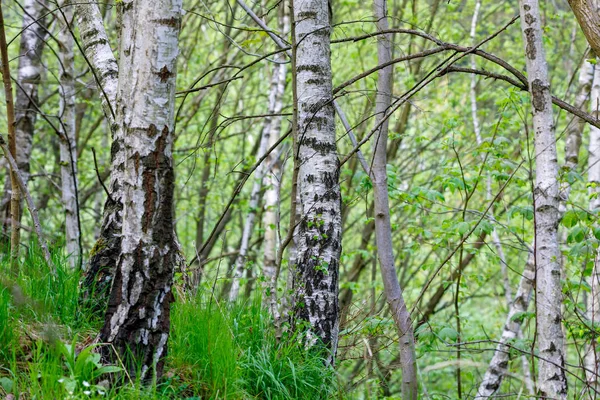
137	320
318	239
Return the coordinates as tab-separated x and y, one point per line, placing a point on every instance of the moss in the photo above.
100	245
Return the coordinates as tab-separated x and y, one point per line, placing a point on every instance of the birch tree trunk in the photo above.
271	183
28	78
552	379
593	299
68	144
383	228
104	254
271	129
137	320
15	194
498	365
318	239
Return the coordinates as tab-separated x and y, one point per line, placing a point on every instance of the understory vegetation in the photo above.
217	351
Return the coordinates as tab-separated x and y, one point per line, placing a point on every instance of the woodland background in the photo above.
461	170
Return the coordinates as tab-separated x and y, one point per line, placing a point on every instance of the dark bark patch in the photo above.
307	15
164	74
537	95
530	49
529	19
171	22
100	41
315	68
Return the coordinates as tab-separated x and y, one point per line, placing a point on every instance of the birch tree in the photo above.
519	305
318	238
271	128
103	256
68	145
28	78
593	299
552	379
138	315
271	183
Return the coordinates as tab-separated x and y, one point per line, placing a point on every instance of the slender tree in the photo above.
593	299
104	254
318	239
15	191
68	144
26	101
552	379
383	227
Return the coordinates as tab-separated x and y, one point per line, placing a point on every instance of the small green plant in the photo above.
84	370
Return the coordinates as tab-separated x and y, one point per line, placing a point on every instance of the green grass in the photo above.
216	351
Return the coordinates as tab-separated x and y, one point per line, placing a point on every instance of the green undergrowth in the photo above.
216	351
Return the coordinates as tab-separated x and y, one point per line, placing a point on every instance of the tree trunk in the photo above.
319	238
15	193
271	182
28	78
271	129
104	254
552	379
498	365
383	228
137	320
593	298
68	144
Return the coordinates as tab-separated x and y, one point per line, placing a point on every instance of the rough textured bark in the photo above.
593	298
68	144
318	240
104	254
586	12
383	228
552	379
138	314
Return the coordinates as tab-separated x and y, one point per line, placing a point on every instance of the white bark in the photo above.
552	379
272	190
318	241
97	50
499	363
593	299
96	47
138	312
68	145
271	183
271	128
512	327
28	78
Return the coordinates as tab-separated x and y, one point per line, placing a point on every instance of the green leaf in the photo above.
463	227
570	219
448	334
6	384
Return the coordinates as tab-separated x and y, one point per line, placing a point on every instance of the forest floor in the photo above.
215	351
